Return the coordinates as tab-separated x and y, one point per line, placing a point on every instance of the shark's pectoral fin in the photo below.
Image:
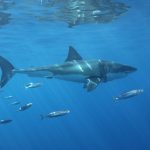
92	83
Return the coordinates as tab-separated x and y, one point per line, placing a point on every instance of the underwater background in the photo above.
95	122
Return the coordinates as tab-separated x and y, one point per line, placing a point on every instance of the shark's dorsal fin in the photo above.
73	55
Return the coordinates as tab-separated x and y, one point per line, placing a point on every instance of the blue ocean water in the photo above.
95	121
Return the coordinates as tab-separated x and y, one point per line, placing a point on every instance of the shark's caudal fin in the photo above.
73	55
7	73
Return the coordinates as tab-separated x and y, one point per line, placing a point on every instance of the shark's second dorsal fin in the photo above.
73	55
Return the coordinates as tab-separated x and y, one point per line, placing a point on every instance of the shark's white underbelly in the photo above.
113	76
48	74
43	74
72	77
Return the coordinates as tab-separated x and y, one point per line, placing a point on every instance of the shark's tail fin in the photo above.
7	71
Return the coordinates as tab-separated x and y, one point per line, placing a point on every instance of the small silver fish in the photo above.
15	103
32	85
8	97
55	114
25	107
128	94
5	121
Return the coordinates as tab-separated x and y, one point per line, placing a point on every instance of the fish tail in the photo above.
42	117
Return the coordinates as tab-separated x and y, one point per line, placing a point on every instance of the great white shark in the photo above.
88	72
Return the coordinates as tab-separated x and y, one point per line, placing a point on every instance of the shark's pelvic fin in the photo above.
73	55
7	71
92	83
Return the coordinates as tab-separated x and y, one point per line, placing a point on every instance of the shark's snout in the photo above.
120	68
128	69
